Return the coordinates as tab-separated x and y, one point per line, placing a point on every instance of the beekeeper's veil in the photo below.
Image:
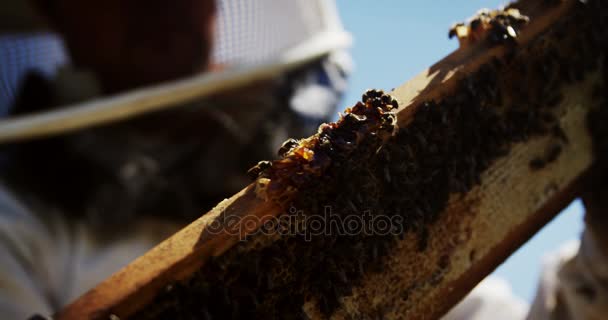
254	40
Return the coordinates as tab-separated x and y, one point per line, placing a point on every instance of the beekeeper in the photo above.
124	120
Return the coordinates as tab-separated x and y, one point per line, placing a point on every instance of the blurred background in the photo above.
394	41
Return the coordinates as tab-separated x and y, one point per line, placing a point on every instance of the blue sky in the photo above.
395	40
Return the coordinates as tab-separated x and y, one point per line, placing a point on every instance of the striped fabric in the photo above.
20	53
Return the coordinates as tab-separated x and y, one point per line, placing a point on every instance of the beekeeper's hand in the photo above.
584	279
574	282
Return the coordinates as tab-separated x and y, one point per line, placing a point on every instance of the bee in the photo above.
394	103
475	24
553	153
373	93
287	146
460	31
537	163
370	94
351	118
472	255
256	170
497	26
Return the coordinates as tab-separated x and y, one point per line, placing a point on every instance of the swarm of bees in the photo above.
494	26
302	160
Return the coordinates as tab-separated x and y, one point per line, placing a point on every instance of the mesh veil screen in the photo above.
20	53
246	32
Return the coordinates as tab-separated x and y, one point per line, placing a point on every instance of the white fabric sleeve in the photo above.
547	303
574	284
47	263
490	299
23	281
584	280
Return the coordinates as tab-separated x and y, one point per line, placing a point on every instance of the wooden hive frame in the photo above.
517	194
